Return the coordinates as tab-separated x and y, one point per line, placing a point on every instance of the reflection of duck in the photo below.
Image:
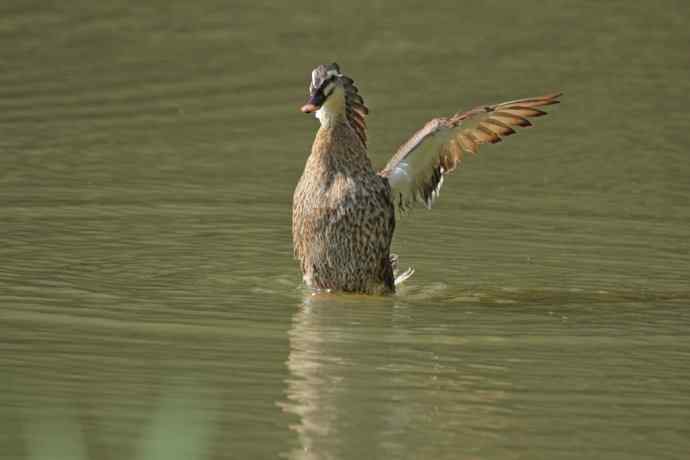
378	380
344	211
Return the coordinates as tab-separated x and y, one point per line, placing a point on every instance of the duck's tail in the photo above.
400	277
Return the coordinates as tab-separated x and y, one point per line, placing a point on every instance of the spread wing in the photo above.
417	169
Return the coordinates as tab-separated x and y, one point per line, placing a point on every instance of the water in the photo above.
149	304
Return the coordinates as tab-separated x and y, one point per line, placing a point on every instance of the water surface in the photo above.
149	303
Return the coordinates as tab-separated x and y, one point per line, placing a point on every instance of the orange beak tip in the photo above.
309	108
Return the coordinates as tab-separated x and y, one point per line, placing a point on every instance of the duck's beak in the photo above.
314	103
309	108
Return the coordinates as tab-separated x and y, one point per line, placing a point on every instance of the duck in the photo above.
344	210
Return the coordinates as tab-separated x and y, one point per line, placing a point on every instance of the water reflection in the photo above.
367	377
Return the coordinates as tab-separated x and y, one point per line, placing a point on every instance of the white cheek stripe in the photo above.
328	89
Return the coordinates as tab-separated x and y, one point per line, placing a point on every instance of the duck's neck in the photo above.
338	150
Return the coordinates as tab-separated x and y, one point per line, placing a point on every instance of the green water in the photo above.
149	303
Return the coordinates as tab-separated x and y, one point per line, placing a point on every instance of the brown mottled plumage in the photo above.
343	213
342	216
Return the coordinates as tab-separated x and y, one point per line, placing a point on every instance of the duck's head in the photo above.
326	79
333	95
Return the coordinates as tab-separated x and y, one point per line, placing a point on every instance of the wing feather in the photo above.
498	127
521	111
511	119
417	169
467	144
